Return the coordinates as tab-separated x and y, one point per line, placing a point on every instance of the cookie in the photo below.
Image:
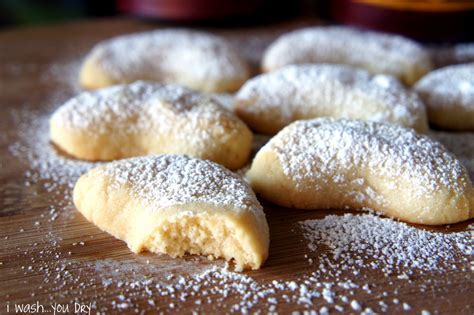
378	53
460	144
334	164
149	118
174	204
449	97
269	102
453	54
195	59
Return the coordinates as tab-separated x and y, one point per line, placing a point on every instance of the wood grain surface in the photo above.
50	254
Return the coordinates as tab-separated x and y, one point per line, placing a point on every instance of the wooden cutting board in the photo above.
50	255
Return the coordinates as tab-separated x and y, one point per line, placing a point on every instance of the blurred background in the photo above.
425	20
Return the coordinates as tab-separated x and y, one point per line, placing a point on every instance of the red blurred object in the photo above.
427	20
197	10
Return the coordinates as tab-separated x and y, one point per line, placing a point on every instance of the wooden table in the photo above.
51	254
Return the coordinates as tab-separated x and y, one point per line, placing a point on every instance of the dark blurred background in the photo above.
426	20
214	12
36	12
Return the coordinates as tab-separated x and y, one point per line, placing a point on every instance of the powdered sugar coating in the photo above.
308	91
144	107
166	180
171	56
330	146
449	86
377	52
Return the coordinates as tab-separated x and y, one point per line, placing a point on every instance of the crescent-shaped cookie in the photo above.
449	97
149	118
376	52
270	101
195	59
335	164
175	204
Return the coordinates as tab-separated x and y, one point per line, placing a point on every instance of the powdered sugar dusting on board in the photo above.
45	161
322	148
237	292
309	91
32	141
383	244
65	269
207	284
379	53
166	180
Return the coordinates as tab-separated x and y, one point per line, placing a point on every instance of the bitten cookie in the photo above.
149	118
195	59
273	100
376	52
334	164
175	204
449	97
